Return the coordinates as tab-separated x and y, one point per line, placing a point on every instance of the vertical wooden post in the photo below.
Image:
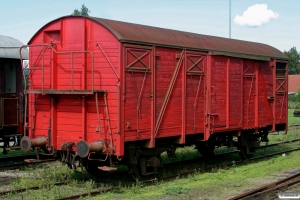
286	95
273	66
183	103
53	116
207	128
53	103
121	99
83	110
242	95
227	93
85	63
256	67
153	92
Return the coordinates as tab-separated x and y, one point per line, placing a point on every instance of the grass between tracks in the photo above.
291	119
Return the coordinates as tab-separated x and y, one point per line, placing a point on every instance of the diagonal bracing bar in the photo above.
168	94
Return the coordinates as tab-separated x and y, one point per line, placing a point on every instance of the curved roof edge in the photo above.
149	35
10	48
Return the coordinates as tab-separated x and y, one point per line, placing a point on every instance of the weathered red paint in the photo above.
158	83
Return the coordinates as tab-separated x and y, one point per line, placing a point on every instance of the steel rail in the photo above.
16	161
21	156
25	189
260	191
23	163
92	193
151	181
181	175
209	169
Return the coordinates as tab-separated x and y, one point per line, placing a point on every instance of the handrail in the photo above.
57	52
72	52
108	60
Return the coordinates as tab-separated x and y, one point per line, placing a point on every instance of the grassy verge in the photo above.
292	120
221	184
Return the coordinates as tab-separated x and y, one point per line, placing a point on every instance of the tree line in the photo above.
294	60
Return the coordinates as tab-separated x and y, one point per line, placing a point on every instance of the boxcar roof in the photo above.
148	35
10	47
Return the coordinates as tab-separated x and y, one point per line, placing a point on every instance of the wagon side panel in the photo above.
138	71
235	93
218	92
265	115
281	92
249	92
195	92
168	92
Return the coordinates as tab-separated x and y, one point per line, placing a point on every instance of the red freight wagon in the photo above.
113	92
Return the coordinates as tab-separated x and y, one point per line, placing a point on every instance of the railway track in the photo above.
13	162
172	177
168	178
270	189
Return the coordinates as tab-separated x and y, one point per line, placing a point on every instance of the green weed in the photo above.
176	190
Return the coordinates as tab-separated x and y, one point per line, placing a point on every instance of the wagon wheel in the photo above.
206	150
92	169
244	153
151	171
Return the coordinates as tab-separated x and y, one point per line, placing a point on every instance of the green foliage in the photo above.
136	187
84	11
294	60
176	190
294	100
295	97
237	185
292	119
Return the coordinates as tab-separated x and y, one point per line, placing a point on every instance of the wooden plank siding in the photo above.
153	91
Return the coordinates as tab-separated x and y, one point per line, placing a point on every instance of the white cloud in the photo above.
256	15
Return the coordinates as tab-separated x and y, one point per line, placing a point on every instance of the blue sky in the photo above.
272	22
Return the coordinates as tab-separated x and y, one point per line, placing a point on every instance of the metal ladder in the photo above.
107	118
110	148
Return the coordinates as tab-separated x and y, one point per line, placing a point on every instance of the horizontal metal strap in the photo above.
52	91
